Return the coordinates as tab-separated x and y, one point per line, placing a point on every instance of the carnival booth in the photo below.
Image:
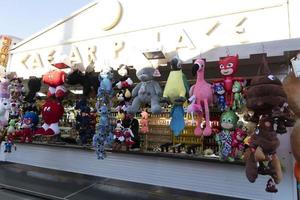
172	113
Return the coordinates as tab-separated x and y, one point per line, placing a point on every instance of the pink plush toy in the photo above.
144	122
202	95
237	144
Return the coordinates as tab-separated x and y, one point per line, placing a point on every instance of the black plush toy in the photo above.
34	85
130	122
84	125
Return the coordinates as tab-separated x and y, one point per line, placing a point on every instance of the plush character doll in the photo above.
147	91
34	85
228	67
98	143
118	136
128	135
219	91
175	92
263	145
4	112
238	99
55	79
237	144
122	100
28	127
14	109
105	78
125	81
11	126
144	124
86	131
203	97
228	122
52	112
8	144
104	116
133	124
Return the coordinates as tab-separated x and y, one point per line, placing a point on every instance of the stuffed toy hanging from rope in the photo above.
55	79
202	94
220	91
175	92
147	91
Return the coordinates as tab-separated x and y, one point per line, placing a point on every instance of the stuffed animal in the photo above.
124	82
128	135
219	91
52	112
105	78
228	67
98	143
237	144
4	112
104	116
29	122
144	124
122	100
177	123
55	79
176	87
8	144
147	91
133	124
203	97
84	127
34	85
238	99
11	127
16	89
4	88
14	109
228	122
263	145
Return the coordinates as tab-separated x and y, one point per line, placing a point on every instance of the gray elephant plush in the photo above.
147	91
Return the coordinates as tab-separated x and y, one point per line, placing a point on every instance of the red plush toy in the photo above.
55	79
228	67
52	111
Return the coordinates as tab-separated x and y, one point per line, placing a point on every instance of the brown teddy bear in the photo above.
261	155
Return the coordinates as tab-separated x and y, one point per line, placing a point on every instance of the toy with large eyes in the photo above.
228	122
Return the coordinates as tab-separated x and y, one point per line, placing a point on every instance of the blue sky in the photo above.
21	18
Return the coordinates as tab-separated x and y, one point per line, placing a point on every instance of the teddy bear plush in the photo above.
147	91
52	112
55	79
262	148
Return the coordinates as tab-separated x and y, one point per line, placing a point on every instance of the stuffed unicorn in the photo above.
4	112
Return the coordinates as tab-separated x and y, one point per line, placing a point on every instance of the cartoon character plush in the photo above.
125	81
202	94
104	116
84	126
128	135
237	144
28	127
175	91
4	112
263	145
237	95
16	89
147	91
14	110
144	124
228	67
52	112
105	78
131	123
98	143
123	100
11	127
55	79
8	144
228	122
220	91
34	85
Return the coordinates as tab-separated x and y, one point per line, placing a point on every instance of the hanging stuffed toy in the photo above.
28	127
238	99
4	88
4	112
52	112
202	94
122	100
84	127
147	91
129	122
220	91
237	144
105	78
228	123
128	135
55	79
261	157
144	123
175	92
228	67
125	81
98	143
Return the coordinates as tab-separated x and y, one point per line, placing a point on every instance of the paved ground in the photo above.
58	185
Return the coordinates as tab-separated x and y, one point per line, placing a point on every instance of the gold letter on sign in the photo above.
24	60
92	54
75	56
118	46
183	41
37	62
51	56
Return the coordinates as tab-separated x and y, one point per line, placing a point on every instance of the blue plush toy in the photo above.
177	123
220	91
105	78
104	116
98	143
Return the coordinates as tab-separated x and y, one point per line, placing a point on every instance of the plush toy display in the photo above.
263	145
123	100
4	112
28	127
238	99
228	122
144	124
52	112
147	91
203	97
175	92
4	88
228	67
220	91
55	79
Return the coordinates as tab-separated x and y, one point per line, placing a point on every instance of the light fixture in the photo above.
40	94
77	91
152	55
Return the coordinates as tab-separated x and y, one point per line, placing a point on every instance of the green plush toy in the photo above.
176	87
237	98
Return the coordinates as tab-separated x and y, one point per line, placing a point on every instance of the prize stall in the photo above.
171	112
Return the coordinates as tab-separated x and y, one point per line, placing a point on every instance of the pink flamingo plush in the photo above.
202	94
